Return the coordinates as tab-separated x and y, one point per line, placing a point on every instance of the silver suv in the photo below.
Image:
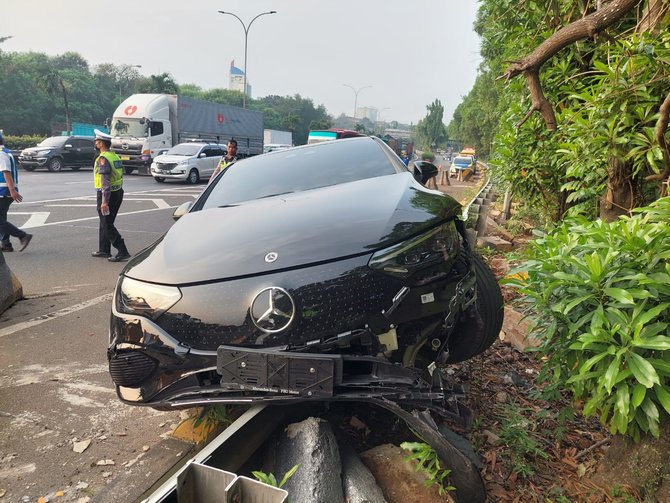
188	162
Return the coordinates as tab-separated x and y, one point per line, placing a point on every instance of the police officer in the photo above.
9	192
228	159
108	180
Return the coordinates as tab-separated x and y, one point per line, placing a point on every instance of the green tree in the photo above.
160	84
431	131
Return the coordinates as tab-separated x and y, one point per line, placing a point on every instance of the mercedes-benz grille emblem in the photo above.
271	257
272	310
124	146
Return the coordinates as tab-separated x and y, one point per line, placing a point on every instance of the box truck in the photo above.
146	125
273	139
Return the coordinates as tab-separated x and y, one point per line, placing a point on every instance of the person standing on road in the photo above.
9	192
228	159
108	182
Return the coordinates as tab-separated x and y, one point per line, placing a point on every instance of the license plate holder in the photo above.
124	158
305	375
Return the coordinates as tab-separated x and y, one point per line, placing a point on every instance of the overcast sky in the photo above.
410	52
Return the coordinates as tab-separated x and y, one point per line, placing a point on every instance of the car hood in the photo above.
34	150
166	158
309	227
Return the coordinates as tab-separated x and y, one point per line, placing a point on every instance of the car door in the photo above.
211	161
69	152
87	152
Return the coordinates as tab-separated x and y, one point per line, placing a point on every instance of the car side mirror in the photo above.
201	155
182	210
67	145
424	171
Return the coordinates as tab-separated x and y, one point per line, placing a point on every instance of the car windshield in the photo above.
54	141
301	168
463	161
129	128
188	149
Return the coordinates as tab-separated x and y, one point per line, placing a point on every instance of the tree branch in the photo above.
586	27
661	129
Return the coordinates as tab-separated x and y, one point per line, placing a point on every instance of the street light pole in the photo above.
246	36
356	91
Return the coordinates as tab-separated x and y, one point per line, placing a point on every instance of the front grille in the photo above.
166	165
131	368
330	299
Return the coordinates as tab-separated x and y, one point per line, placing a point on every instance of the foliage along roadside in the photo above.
599	294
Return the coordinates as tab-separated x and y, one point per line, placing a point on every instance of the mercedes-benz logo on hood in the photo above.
272	310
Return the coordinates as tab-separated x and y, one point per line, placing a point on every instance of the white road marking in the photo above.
56	314
160	203
36	218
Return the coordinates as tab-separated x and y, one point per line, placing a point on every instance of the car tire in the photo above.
193	177
55	165
28	168
480	325
128	170
159	179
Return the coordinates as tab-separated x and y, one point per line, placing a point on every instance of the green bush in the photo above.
600	295
428	156
21	142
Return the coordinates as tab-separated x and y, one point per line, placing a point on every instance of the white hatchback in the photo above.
190	162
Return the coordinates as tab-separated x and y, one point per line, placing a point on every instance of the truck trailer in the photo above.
146	125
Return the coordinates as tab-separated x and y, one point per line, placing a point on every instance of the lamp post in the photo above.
356	91
125	70
246	36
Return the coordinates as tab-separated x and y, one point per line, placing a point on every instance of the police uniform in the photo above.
9	172
108	183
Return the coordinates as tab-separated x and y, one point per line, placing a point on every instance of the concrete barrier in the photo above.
11	289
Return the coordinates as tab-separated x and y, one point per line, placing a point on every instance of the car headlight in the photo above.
145	299
181	163
43	152
420	259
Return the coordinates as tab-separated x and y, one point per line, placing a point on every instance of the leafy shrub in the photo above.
600	295
21	142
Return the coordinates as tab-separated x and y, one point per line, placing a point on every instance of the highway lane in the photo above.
55	390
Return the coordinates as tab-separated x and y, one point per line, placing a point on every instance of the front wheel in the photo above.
159	179
479	326
55	164
128	169
193	176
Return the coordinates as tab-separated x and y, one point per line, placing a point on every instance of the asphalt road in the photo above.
55	390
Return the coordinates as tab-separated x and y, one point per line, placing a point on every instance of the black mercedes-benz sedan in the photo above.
320	272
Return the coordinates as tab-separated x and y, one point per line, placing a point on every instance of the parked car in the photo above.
461	163
58	152
324	271
190	162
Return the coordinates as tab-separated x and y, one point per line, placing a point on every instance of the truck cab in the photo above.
141	128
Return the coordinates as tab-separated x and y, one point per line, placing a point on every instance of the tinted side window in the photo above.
216	151
156	128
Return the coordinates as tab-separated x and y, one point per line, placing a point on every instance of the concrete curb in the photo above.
11	289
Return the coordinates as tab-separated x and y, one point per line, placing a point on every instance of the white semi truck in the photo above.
146	125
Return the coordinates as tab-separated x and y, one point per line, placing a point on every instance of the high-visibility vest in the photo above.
114	161
4	190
